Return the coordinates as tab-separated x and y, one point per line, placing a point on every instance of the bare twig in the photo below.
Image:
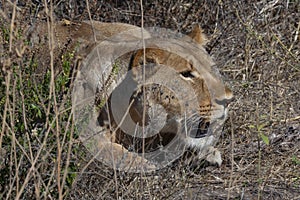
232	157
12	26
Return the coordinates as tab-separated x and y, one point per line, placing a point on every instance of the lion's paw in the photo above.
211	155
122	159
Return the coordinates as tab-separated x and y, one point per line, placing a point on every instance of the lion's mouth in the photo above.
201	131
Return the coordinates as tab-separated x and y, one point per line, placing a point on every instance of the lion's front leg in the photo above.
116	155
211	155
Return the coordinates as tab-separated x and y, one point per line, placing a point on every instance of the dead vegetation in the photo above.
256	47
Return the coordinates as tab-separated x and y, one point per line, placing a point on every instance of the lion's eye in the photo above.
187	74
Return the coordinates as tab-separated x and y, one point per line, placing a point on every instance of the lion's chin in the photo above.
200	143
205	149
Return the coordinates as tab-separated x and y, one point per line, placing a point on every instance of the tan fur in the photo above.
81	38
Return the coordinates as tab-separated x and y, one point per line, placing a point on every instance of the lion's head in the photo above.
212	96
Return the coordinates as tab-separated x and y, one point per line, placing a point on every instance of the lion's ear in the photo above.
198	35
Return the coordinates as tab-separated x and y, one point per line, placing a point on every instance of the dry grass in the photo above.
256	47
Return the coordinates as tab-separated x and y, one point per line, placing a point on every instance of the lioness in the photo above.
178	100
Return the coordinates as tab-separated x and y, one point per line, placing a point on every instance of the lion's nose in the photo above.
226	98
225	102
